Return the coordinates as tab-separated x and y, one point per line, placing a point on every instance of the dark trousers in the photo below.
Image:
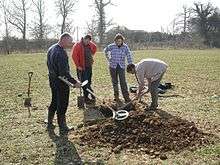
60	99
116	73
86	75
153	88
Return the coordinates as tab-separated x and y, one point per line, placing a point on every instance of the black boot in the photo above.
153	106
49	120
62	124
127	99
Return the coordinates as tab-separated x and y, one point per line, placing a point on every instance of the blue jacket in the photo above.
57	63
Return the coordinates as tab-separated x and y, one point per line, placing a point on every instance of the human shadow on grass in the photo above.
66	152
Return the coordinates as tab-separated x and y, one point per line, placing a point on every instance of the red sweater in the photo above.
78	53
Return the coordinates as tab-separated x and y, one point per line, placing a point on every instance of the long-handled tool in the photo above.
27	101
80	98
70	84
135	73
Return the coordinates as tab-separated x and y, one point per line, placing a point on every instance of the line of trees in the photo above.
199	22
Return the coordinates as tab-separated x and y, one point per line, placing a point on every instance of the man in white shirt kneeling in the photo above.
152	70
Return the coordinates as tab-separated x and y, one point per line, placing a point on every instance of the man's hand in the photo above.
146	88
79	68
109	55
92	60
141	91
77	84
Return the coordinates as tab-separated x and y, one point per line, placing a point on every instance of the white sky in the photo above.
147	15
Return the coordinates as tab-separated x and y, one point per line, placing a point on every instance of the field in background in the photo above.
23	140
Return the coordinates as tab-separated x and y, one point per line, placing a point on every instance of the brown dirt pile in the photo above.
154	133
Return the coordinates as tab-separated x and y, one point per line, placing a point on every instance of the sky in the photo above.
148	15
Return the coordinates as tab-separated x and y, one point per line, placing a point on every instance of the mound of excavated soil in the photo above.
154	133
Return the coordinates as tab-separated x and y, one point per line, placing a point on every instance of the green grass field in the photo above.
23	140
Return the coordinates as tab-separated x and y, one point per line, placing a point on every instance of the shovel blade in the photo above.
84	83
27	102
80	102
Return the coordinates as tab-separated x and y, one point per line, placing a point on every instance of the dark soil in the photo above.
154	133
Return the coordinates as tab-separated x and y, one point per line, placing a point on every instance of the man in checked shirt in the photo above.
116	53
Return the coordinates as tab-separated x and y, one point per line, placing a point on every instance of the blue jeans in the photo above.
116	73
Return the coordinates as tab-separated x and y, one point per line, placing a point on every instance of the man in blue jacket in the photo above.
57	63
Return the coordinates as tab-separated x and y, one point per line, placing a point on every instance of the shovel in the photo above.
80	99
27	101
70	84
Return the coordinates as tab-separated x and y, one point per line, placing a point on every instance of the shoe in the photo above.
50	125
127	100
153	107
49	120
161	91
63	128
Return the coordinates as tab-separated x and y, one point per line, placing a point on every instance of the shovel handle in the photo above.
66	81
88	90
30	74
80	79
122	107
29	112
135	98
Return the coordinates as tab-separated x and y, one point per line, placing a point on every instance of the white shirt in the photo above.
150	69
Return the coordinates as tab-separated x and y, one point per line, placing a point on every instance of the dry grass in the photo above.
195	74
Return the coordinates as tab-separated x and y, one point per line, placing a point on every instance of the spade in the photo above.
27	101
80	98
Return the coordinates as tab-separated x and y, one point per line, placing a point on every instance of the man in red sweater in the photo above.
82	55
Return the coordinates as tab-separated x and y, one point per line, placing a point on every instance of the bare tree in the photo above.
3	7
181	26
92	28
173	26
100	6
65	8
40	28
182	23
206	21
17	16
